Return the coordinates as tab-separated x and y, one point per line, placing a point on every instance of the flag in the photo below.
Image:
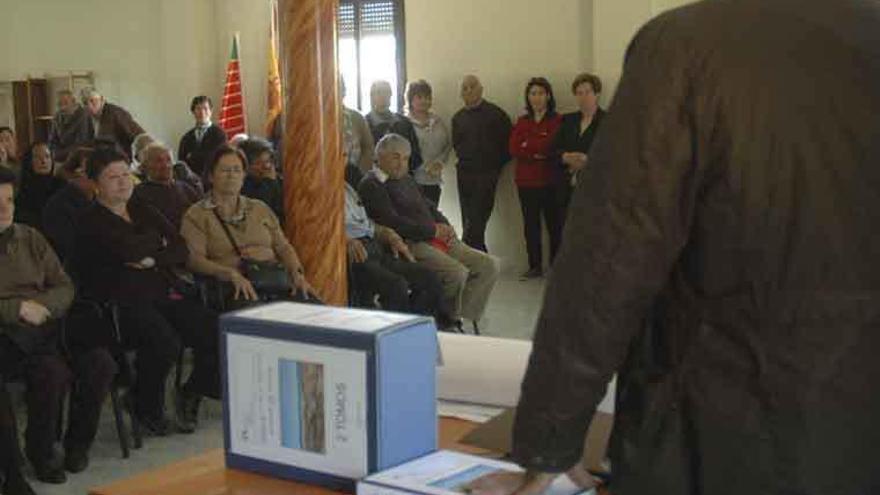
232	115
273	91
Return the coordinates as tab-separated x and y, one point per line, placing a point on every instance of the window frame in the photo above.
399	41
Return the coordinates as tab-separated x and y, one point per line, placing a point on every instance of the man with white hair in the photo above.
160	190
109	121
393	199
70	126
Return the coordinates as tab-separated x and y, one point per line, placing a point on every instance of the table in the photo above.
206	474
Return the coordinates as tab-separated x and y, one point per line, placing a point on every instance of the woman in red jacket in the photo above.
532	145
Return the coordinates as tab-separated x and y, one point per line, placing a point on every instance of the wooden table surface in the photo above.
206	474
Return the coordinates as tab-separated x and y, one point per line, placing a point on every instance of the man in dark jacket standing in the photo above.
480	133
731	203
198	145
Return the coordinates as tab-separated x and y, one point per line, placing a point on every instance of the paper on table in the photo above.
354	320
488	371
468	412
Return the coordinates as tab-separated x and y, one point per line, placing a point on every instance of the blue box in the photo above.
327	395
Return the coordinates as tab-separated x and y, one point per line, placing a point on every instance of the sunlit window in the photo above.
371	48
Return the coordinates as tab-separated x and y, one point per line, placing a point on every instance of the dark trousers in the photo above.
537	202
476	195
156	332
402	285
48	377
431	192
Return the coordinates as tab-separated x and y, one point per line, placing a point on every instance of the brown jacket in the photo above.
724	260
30	270
116	124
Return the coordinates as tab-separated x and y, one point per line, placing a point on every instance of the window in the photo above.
371	48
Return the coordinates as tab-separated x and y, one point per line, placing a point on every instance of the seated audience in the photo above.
392	198
227	228
357	138
382	264
183	173
160	189
75	164
70	126
9	151
109	121
38	184
126	252
382	121
61	213
262	181
237	139
533	145
197	146
433	137
576	135
35	294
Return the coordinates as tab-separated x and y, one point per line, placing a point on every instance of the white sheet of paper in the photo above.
489	371
354	320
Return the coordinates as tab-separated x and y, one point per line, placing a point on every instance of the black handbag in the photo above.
267	277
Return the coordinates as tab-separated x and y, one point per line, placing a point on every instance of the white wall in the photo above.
150	57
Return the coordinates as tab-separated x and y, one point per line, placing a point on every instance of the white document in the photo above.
349	319
298	404
488	371
447	473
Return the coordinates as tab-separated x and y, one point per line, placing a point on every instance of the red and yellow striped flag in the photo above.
232	114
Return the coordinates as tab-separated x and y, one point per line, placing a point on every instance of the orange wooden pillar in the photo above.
313	164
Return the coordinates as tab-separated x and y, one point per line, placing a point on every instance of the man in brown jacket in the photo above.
35	294
724	262
109	121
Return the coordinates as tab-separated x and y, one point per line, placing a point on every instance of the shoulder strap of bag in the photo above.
228	233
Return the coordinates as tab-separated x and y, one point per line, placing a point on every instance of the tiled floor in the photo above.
511	313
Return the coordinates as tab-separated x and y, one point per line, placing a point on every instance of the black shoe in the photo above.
157	427
76	460
50	473
15	484
532	273
187	410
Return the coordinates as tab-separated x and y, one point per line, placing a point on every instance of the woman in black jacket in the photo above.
575	137
127	253
38	184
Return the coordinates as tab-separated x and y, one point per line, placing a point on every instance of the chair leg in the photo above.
476	329
178	378
121	431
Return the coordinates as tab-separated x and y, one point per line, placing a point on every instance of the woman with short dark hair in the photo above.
227	228
576	135
532	144
126	253
262	181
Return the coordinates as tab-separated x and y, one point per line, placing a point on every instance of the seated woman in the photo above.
38	184
262	180
126	253
226	227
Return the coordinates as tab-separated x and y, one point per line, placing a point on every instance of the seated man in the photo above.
392	198
109	121
262	181
35	293
382	264
160	189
